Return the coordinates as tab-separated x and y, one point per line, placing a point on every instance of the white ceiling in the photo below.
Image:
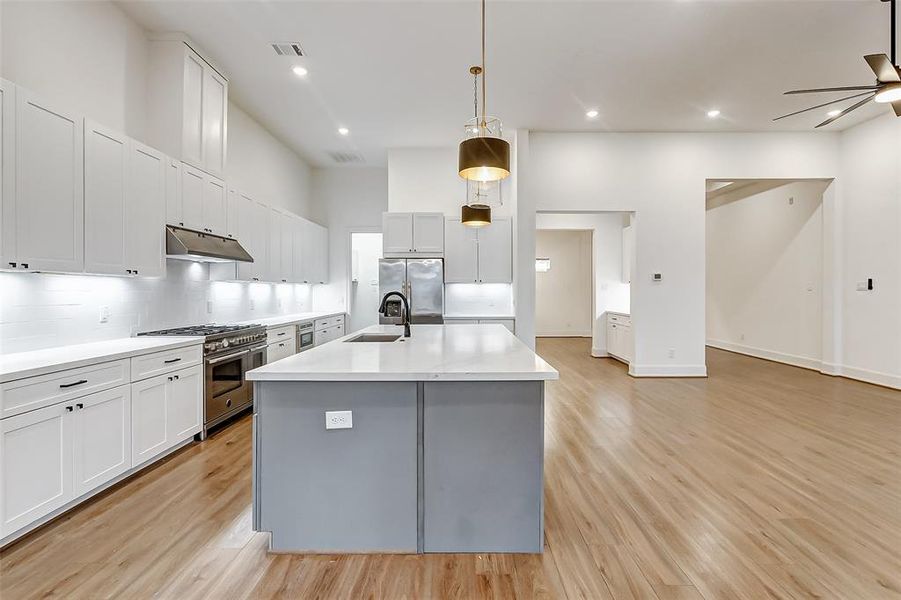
396	73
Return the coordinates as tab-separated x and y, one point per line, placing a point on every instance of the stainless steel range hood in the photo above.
187	244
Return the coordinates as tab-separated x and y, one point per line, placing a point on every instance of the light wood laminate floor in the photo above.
762	481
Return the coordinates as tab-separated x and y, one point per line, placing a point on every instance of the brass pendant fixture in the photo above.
476	216
485	155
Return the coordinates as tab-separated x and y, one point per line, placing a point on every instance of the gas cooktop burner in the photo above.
204	330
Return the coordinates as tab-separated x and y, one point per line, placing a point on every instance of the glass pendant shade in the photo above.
484	155
475	216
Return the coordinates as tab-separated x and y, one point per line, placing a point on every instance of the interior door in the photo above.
102	435
106	155
145	242
425	287
36	462
49	186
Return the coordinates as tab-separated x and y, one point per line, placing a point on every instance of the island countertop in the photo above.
432	353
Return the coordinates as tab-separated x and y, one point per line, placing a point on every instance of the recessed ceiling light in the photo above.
833	113
300	71
713	113
592	114
343	130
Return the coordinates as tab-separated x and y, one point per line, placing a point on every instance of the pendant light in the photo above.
484	155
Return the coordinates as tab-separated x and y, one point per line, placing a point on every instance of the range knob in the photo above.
224	343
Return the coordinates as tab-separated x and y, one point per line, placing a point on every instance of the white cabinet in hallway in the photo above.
36	465
483	255
43	214
102	438
188	106
619	336
412	233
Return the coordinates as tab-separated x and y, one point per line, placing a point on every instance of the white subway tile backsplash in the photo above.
40	310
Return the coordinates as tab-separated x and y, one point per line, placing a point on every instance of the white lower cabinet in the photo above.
36	465
619	337
166	410
280	350
102	438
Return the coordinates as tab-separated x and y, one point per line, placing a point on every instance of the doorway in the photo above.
365	253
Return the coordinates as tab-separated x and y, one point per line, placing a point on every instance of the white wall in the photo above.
662	178
478	300
563	294
765	272
364	302
610	293
43	310
345	200
870	217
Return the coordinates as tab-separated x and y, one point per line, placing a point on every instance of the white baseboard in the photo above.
563	334
599	352
667	370
865	375
783	357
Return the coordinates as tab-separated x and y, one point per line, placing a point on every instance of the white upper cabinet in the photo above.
428	233
7	173
188	106
413	233
397	233
191	204
287	247
213	206
313	255
199	203
47	206
274	270
298	262
321	271
461	257
483	255
496	252
145	241
106	156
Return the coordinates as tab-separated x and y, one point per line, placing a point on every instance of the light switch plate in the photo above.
104	314
339	419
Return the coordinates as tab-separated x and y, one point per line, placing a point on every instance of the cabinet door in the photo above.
184	404
233	215
321	271
35	465
309	252
148	419
253	235
612	339
215	105
144	223
173	192
192	190
428	233
192	109
461	254
214	205
625	340
397	232
7	173
496	252
299	260
287	247
105	181
274	270
280	350
102	438
49	186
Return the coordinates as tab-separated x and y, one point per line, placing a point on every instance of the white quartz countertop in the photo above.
432	353
38	362
481	316
292	318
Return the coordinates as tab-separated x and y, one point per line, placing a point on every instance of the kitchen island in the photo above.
432	443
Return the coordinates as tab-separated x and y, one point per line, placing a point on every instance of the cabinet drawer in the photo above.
280	350
622	319
23	395
279	334
150	365
327	322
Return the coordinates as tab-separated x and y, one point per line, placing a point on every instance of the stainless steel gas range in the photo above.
229	351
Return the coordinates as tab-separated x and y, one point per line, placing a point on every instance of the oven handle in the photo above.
229	357
261	347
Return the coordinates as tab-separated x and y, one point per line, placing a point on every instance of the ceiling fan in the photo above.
887	89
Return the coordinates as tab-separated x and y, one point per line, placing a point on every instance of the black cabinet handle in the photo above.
170	379
171	360
13	265
73	384
283	333
24	265
175	376
79	405
68	409
135	271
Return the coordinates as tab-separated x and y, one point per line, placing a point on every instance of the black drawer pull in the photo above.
171	360
69	408
79	405
283	333
73	384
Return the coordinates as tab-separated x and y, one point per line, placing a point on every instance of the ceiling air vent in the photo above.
346	158
288	48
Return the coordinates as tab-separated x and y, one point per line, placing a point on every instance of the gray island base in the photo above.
433	465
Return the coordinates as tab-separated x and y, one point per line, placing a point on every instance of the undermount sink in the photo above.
374	337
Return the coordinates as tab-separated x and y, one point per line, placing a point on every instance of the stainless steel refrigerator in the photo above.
421	280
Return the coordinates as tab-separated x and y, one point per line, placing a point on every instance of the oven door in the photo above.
304	339
225	387
256	357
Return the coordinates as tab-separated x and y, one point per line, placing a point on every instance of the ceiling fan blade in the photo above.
897	106
846	111
883	67
852	88
798	112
